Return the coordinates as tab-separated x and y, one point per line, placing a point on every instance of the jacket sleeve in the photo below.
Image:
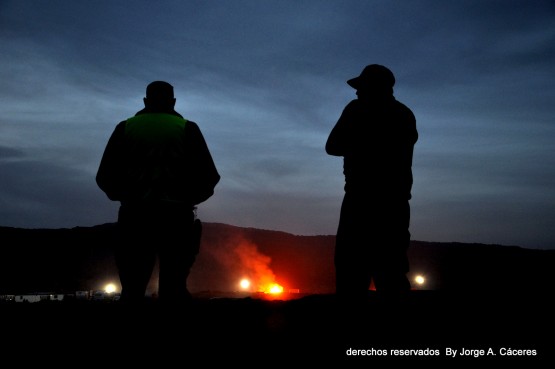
206	175
338	140
108	176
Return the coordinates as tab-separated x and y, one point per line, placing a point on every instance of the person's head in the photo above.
159	96
374	80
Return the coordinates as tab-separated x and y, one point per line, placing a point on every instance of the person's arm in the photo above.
337	143
108	177
206	176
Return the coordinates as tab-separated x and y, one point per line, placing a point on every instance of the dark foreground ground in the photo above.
492	329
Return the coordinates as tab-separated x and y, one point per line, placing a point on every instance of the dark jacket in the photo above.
376	139
157	157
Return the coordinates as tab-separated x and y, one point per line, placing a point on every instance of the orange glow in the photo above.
255	268
273	288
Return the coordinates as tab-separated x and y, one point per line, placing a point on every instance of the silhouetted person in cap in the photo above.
158	166
375	135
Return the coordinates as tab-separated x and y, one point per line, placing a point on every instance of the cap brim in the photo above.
354	82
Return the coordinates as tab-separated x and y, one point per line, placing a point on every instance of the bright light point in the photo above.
419	280
245	284
110	288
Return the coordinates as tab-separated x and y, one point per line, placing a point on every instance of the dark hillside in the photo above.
64	260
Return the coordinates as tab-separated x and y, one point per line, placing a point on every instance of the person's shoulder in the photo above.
121	125
403	108
401	105
191	123
353	105
192	127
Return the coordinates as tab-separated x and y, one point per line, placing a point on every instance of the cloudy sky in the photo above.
266	82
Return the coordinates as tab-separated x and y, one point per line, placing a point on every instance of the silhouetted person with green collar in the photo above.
375	135
158	166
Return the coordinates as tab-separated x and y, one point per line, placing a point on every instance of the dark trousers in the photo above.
156	233
371	246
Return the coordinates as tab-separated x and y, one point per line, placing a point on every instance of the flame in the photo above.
275	289
256	267
251	267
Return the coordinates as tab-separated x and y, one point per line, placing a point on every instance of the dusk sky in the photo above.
266	82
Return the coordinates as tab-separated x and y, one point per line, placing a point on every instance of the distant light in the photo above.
110	288
419	280
245	283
